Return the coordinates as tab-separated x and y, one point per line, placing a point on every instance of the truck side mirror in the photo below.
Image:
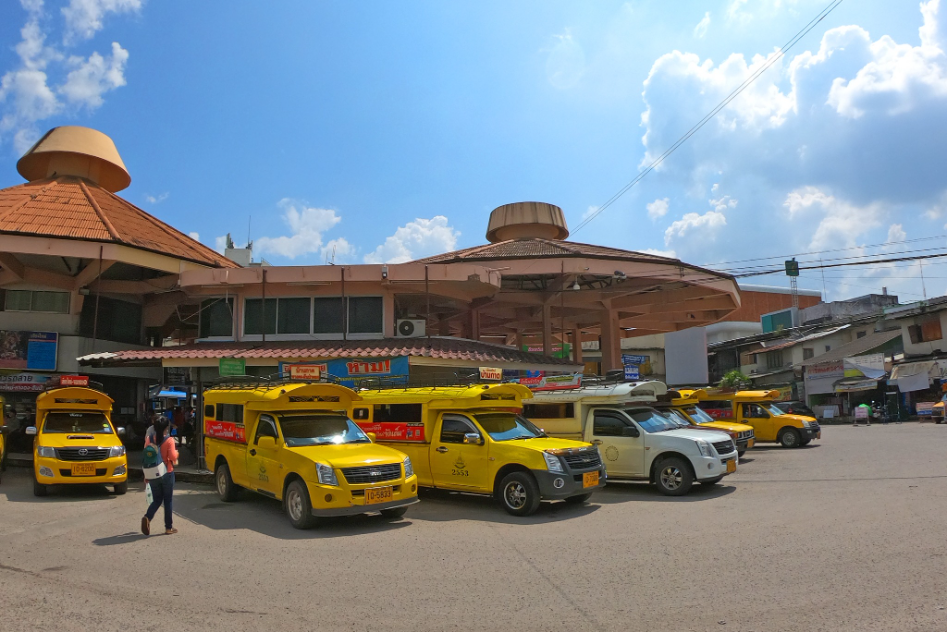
372	437
31	430
121	431
267	443
474	438
4	429
630	431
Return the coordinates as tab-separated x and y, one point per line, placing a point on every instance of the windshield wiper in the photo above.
522	437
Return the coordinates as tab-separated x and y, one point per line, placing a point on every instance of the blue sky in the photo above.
388	131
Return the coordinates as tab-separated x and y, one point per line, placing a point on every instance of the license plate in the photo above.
750	443
83	469
590	479
377	495
818	435
731	466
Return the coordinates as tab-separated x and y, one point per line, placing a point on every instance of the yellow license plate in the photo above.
83	469
377	495
590	479
818	435
750	443
731	466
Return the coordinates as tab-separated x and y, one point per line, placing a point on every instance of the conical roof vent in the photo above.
526	220
75	151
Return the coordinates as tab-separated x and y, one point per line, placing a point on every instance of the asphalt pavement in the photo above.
849	533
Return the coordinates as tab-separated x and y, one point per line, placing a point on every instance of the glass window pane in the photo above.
365	315
216	317
17	300
125	324
253	316
293	316
56	302
327	317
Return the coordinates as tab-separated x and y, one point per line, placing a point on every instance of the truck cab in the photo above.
75	442
760	410
295	442
683	404
638	443
473	439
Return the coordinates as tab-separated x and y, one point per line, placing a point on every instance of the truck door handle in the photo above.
596	442
252	452
442	449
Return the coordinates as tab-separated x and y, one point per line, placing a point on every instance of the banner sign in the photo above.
834	369
556	351
176	375
351	372
229	367
228	430
924	409
305	371
73	380
395	430
550	382
32	350
634	359
871	365
488	373
23	382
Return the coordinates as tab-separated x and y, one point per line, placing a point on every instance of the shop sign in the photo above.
176	375
835	369
74	380
636	360
229	367
23	382
556	351
31	350
305	372
395	430
924	409
351	372
550	382
631	373
491	374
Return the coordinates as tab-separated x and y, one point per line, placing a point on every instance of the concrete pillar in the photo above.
577	345
611	341
547	329
518	339
473	324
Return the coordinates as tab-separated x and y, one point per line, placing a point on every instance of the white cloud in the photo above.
589	212
841	222
220	244
93	77
195	235
420	238
723	203
565	63
156	199
306	224
338	250
658	208
701	29
896	234
709	221
660	253
84	17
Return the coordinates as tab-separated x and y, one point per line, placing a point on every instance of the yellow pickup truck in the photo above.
295	442
75	442
684	404
758	409
474	439
4	429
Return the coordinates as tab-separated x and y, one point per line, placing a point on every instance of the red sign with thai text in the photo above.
226	430
73	380
377	367
395	430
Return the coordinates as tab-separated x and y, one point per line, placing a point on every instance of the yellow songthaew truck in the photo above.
684	404
294	441
474	439
4	429
758	409
75	441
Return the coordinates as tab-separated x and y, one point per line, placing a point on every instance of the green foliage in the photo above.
734	379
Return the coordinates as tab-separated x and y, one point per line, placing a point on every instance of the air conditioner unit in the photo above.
409	328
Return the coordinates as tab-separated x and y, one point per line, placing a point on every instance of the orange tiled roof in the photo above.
73	208
539	247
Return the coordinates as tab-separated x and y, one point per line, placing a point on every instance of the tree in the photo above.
734	379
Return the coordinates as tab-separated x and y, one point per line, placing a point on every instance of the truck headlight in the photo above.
408	468
806	424
46	452
704	447
326	474
553	463
117	451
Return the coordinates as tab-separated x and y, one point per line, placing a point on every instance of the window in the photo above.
754	411
230	412
397	412
118	321
861	334
925	331
209	411
254	319
548	411
30	301
828	348
454	428
774	360
216	318
808	353
607	425
327	315
265	428
292	316
365	315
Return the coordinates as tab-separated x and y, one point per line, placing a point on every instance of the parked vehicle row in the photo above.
325	450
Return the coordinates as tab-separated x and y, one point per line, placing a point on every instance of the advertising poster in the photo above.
28	350
351	372
395	430
23	382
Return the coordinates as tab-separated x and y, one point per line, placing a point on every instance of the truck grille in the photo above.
815	426
372	473
82	454
724	447
585	460
746	434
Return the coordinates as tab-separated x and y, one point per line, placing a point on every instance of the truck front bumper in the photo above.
556	486
353	510
329	501
707	467
50	471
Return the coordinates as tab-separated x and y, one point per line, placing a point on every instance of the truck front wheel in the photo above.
789	438
226	488
673	477
299	506
518	494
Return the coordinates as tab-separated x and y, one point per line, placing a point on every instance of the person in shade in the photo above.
162	488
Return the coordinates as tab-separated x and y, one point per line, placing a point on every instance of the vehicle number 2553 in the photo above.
457	472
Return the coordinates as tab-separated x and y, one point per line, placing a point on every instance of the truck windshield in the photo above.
315	429
507	426
698	415
85	423
774	410
676	417
652	421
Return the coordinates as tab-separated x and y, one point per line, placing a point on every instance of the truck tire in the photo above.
673	477
578	500
39	489
394	513
518	494
789	438
226	488
121	488
299	506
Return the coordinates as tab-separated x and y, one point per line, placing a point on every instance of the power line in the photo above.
693	130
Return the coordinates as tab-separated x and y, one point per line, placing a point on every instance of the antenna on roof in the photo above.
249	224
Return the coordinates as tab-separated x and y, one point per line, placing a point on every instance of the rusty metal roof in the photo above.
70	207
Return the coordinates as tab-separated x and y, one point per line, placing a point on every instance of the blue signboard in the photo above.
350	372
631	373
33	350
637	360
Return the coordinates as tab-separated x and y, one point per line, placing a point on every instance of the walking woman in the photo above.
162	487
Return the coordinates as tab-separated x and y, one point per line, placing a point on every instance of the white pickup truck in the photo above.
636	441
